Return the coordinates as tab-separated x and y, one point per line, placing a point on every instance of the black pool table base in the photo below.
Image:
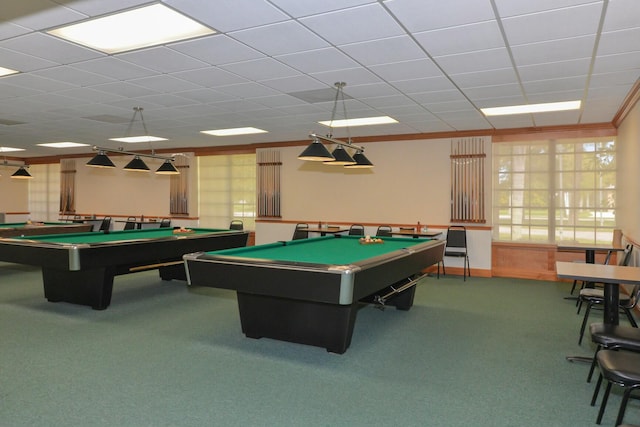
94	287
307	322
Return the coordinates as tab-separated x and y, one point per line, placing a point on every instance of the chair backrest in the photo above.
626	259
356	230
457	237
236	224
130	224
301	232
106	223
165	223
384	230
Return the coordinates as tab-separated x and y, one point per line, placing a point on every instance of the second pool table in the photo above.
308	291
79	268
19	229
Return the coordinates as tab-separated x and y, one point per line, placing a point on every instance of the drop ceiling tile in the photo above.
50	48
384	51
554	85
508	8
278	101
621	14
166	100
101	7
485	78
39	14
448	106
553	70
162	59
280	38
294	84
484	60
21	62
9	30
624	78
499	91
352	76
407	70
87	95
619	41
461	39
424	85
114	69
575	21
559	95
297	8
553	51
370	90
501	102
556	118
230	15
70	74
247	90
205	95
260	69
37	83
124	89
165	83
617	62
217	49
385	102
513	121
318	60
358	24
418	15
210	77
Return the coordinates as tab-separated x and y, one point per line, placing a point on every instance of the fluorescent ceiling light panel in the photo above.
8	149
233	131
144	138
7	71
134	29
531	108
66	144
364	121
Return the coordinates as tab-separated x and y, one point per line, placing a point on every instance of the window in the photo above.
554	190
44	192
227	190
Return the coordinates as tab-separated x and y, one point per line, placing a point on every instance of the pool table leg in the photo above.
304	322
84	287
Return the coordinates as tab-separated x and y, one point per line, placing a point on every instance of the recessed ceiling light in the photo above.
531	108
364	121
143	138
8	149
233	131
66	144
134	29
7	71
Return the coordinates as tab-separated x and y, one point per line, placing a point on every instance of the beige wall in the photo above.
15	194
409	183
119	192
628	182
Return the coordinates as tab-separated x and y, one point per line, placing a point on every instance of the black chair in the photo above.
301	232
456	246
613	337
236	224
106	224
621	368
384	231
595	297
356	230
165	223
130	224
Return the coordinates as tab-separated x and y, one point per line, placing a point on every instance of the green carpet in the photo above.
485	352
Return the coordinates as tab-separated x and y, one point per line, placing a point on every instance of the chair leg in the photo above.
593	364
630	317
573	288
623	405
603	405
584	323
596	390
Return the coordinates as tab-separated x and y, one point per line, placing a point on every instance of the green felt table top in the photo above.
35	224
114	236
322	250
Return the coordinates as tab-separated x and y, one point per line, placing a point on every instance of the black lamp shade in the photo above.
101	160
21	173
167	168
137	164
361	161
316	152
342	158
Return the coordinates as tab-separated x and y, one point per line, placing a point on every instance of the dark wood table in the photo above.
589	249
610	275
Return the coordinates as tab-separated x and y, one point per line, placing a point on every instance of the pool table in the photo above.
14	229
79	268
308	291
